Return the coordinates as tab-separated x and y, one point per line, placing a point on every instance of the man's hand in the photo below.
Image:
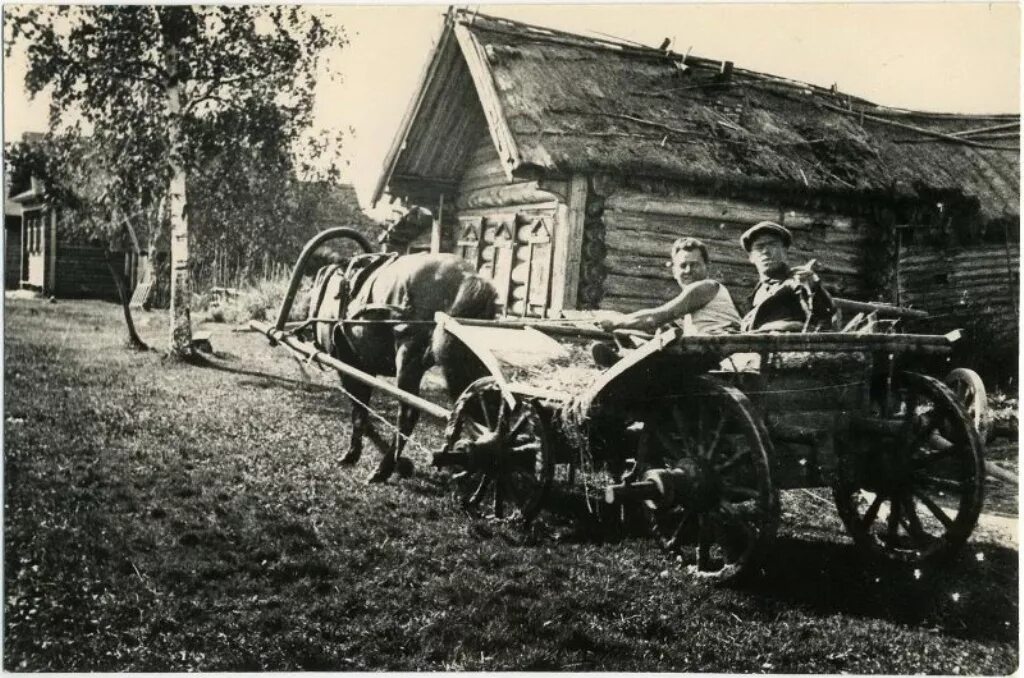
807	274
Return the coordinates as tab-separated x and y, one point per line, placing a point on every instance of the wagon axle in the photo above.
487	453
691	484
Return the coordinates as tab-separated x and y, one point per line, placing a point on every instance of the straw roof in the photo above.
557	103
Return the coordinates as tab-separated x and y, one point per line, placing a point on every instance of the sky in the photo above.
952	57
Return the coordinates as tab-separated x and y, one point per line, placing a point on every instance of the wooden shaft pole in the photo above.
313	354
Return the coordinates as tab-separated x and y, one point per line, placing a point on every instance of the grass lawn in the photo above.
160	516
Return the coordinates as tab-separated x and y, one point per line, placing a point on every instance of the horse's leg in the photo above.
410	368
359	393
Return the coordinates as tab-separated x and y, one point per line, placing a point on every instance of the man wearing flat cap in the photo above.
787	298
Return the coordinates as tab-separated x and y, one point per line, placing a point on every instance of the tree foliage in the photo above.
178	101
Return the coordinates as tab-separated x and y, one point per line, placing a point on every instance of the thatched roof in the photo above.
557	103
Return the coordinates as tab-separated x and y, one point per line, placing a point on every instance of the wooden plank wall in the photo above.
505	215
12	252
966	286
640	229
81	271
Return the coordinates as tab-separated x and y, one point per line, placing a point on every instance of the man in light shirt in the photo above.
703	305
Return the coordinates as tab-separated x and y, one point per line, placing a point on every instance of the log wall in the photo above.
967	288
639	229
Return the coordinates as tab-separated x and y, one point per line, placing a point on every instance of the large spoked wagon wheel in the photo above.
500	453
717	509
911	489
970	392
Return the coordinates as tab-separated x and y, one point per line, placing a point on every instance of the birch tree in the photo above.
154	80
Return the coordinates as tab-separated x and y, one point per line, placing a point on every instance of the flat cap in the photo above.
747	239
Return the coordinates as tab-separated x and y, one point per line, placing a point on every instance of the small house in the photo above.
52	261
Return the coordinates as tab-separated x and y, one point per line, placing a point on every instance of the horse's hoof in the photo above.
405	467
382	474
350	459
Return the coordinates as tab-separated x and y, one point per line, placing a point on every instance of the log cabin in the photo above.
563	166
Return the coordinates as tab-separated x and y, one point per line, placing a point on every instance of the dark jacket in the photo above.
784	299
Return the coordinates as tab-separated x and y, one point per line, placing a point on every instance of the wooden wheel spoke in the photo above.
478	494
701	452
937	483
935	509
716	437
910	410
705	539
685	518
679	420
929	424
937	441
893	523
737	530
523	420
872	513
734	493
732	461
913	521
931	458
478	429
499	498
486	414
671	449
502	413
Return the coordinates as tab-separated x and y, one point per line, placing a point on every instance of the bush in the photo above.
259	302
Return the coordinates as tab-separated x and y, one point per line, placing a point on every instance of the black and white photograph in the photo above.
641	337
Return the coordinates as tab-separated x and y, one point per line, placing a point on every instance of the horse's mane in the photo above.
476	298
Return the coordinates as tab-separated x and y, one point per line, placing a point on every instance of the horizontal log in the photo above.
959	278
960	258
797	219
648	287
482	182
524	193
479	167
692	207
998	292
659	246
730	274
704	228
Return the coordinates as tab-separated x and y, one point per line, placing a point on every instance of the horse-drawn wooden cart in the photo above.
705	452
702	433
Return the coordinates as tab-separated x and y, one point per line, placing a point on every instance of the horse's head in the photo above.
411	225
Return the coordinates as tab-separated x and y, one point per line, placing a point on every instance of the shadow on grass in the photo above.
262	379
968	598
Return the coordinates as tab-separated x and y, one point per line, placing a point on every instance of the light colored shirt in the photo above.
718	316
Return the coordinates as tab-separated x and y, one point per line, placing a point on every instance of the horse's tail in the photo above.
475	298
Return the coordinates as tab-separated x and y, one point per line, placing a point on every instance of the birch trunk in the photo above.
181	282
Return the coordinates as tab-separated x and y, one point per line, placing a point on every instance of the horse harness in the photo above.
357	273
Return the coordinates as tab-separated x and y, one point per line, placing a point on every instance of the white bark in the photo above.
181	279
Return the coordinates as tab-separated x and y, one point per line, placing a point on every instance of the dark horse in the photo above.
405	292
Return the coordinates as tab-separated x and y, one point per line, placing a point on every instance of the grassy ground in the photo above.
169	517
